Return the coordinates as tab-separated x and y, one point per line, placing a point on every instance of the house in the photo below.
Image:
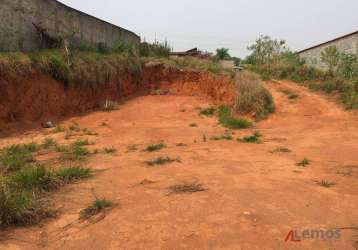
192	53
347	44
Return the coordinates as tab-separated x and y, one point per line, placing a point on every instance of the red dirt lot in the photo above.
253	197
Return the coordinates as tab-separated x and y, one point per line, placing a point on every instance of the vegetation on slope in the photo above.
25	182
273	60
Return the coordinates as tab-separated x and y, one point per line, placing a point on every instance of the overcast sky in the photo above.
234	24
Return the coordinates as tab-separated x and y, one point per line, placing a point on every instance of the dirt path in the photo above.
253	197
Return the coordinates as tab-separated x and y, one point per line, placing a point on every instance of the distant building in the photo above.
347	44
192	53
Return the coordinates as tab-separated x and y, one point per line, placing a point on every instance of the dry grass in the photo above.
186	188
252	96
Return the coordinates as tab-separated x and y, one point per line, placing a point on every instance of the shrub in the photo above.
156	49
226	119
252	96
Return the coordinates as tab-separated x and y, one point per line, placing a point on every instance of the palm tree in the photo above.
222	54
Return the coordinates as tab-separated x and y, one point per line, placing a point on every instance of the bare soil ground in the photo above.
253	197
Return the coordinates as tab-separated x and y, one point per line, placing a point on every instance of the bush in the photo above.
154	50
252	96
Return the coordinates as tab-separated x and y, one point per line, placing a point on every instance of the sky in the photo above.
233	24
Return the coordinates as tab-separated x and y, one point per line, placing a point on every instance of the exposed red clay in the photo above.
254	197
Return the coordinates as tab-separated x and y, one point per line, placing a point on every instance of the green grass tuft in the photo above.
255	138
226	119
155	147
227	136
15	157
95	208
48	143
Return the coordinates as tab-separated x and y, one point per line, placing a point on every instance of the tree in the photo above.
266	50
348	65
330	56
222	54
236	60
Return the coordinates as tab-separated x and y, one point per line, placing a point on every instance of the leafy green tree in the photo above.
266	50
222	54
348	65
330	56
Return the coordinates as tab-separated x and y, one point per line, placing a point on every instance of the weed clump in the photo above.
210	111
226	136
305	162
255	138
155	147
16	157
162	161
228	121
95	208
186	188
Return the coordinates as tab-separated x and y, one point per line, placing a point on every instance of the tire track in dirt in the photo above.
253	197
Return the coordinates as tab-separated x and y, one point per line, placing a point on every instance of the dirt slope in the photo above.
254	197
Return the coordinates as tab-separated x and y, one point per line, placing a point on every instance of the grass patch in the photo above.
89	132
15	157
228	121
227	136
305	162
186	188
254	138
326	184
59	129
22	200
74	128
210	111
48	143
74	152
162	161
95	208
155	147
